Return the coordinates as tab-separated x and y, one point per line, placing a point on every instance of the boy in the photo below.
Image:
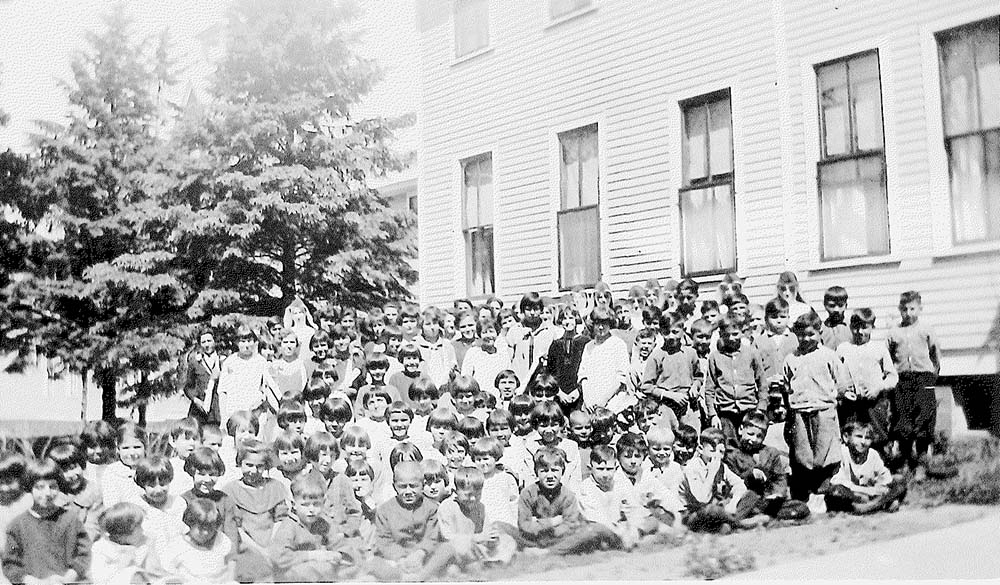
79	494
659	488
631	451
548	513
46	543
814	379
863	484
613	506
711	492
687	300
672	374
604	365
763	470
645	344
548	422
735	383
873	376
438	353
466	526
407	537
185	435
306	545
914	350
835	330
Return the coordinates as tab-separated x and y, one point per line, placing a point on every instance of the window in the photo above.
970	88
411	203
558	8
854	212
579	220
477	198
708	209
472	26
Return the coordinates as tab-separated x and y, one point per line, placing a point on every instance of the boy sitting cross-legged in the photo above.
464	523
863	484
711	491
612	505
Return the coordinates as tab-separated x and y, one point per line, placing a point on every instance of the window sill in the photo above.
554	22
965	250
849	263
473	55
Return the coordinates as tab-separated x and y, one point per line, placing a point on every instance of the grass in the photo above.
977	482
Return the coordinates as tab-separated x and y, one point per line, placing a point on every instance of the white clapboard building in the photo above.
853	142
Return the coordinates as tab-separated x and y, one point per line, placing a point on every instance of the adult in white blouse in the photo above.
604	366
244	383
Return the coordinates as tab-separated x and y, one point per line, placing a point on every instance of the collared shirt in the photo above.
704	485
869	366
815	379
912	348
611	508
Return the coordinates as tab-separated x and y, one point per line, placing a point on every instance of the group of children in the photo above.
411	450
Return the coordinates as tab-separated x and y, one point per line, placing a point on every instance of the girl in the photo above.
241	427
204	554
206	468
98	442
506	384
436	486
81	495
520	408
339	504
788	290
485	361
117	483
468	333
288	371
566	352
439	423
122	552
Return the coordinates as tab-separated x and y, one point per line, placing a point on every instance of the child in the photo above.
98	442
204	554
319	350
710	310
410	357
631	452
549	423
163	511
467	337
336	413
377	367
440	422
79	494
205	468
814	378
548	513
436	482
788	290
835	330
376	401
610	505
521	407
763	470
914	350
873	376
530	340
361	478
399	417
672	375
464	522
46	542
316	392
499	491
307	546
711	492
289	448
339	503
659	489
581	430
116	482
212	437
185	435
604	365
438	353
863	484
464	390
645	343
356	445
289	370
455	448
261	502
407	541
423	395
13	499
122	552
735	383
241	426
471	427
685	444
687	300
485	361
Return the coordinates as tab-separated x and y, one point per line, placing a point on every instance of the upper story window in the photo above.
579	218
560	8
970	88
477	224
472	26
707	202
854	211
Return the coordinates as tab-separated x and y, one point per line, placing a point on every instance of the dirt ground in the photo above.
768	546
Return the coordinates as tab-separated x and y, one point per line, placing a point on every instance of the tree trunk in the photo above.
109	399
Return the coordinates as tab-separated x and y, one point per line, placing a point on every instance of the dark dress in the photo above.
198	380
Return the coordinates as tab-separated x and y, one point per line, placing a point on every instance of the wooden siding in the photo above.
625	65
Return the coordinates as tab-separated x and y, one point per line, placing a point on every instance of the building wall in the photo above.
626	65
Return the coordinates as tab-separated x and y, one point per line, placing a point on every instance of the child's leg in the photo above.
586	538
925	420
384	570
710	519
904	409
437	561
876	413
731	422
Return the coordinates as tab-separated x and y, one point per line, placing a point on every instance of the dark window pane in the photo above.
834	109
987	47
695	138
708	223
579	247
479	261
855	216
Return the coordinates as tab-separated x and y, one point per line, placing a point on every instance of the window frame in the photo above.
939	38
563	211
853	153
711	181
470	53
554	19
470	231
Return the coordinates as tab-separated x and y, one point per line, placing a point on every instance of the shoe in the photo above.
725	529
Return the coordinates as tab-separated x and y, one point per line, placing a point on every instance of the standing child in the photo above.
835	330
914	349
863	484
873	376
117	483
814	378
437	351
467	337
122	552
79	493
486	360
735	383
46	543
464	523
672	375
566	352
204	554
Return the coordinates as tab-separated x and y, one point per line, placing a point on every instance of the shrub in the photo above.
708	558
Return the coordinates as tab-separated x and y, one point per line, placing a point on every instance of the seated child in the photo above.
98	442
863	484
242	426
205	468
372	419
336	414
548	422
436	485
401	452
261	502
399	418
47	542
423	395
184	436
440	422
361	477
499	491
289	447
204	554
581	427
520	408
407	537
464	390
79	493
292	417
410	358
13	499
212	437
650	412
117	483
315	394
471	427
548	513
631	452
711	492
506	384
122	551
307	546
339	503
764	471
659	489
465	524
685	444
612	505
455	448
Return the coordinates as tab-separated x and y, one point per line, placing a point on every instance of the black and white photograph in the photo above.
323	291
